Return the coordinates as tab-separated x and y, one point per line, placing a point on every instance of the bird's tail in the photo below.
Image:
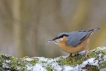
96	29
92	30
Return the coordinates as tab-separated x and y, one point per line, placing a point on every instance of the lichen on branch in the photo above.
95	62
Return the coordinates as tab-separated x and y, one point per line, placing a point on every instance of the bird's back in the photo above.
76	37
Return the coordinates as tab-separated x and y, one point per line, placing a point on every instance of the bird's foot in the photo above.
69	57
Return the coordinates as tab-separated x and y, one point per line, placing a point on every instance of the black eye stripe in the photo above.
60	36
63	35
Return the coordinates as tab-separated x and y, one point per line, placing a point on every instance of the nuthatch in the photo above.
73	42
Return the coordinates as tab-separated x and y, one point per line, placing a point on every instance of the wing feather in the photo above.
75	38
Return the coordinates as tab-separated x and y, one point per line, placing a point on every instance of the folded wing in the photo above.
77	37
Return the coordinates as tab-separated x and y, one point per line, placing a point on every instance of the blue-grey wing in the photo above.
75	38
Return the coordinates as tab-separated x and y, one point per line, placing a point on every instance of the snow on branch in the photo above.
96	61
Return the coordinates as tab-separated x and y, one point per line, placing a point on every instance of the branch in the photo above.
96	61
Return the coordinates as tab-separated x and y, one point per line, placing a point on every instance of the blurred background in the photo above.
26	25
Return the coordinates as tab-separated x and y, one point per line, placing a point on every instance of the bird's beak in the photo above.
51	40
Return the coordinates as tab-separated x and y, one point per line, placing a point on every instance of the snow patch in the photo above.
55	66
38	67
28	59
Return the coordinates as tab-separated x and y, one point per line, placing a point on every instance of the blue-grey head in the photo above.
59	37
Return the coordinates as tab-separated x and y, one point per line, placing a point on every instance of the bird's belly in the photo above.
70	49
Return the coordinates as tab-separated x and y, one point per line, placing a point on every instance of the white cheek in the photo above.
61	39
55	42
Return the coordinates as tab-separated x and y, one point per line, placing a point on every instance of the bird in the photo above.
74	42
